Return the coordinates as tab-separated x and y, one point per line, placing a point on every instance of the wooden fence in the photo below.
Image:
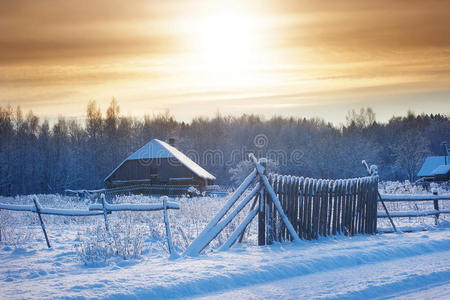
132	189
95	210
320	207
294	208
436	211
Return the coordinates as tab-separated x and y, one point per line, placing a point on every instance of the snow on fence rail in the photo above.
410	214
95	210
133	207
139	188
51	211
405	197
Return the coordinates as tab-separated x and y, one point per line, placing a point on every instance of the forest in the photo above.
37	156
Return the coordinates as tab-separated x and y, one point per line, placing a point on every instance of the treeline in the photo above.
36	157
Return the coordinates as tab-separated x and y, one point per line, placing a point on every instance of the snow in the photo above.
156	149
79	212
380	279
363	266
406	197
413	266
18	207
382	214
431	291
50	211
441	170
153	149
180	178
188	162
431	163
133	207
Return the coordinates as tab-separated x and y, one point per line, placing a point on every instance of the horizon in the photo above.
82	119
288	58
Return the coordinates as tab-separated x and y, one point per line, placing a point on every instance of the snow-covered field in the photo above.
133	261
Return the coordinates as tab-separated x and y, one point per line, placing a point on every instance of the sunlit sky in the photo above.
290	58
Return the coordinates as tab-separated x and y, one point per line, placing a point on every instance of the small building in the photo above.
159	164
436	168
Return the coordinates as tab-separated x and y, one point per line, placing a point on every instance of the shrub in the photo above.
124	240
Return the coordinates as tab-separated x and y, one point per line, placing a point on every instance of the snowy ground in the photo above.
364	266
393	275
404	266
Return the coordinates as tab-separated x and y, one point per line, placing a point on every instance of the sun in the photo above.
224	42
225	51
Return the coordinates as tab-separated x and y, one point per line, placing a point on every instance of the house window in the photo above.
153	171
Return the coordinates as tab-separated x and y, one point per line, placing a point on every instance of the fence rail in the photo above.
133	207
411	214
400	197
139	188
51	211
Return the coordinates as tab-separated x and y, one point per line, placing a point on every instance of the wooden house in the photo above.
436	168
159	164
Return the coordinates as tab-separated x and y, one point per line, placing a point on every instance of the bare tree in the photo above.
410	152
362	119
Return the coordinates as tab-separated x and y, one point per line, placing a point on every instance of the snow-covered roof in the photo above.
441	170
158	149
430	164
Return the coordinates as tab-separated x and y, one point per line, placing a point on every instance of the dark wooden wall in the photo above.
157	171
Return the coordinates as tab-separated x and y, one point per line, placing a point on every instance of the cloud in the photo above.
73	51
61	31
53	30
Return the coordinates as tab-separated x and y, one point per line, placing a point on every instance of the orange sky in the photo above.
299	58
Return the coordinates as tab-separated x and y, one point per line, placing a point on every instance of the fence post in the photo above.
261	212
0	232
168	234
436	207
274	198
105	211
269	220
374	172
38	211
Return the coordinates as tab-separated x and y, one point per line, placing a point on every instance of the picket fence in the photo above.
321	207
